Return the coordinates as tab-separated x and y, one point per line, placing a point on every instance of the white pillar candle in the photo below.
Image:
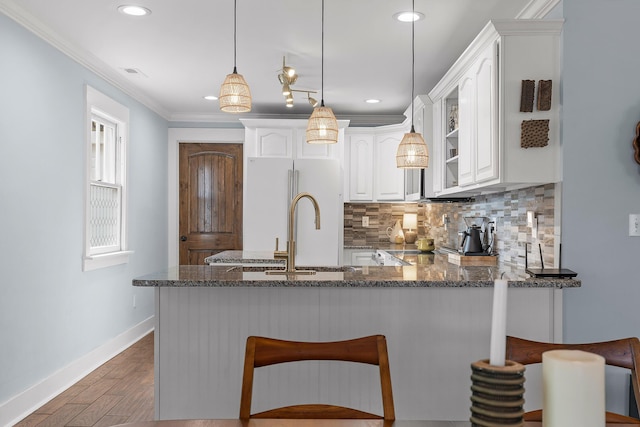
573	389
498	324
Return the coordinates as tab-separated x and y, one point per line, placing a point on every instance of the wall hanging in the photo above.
636	144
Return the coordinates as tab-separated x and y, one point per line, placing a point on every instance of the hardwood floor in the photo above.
117	392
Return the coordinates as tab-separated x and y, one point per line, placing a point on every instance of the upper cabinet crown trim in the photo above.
492	31
284	123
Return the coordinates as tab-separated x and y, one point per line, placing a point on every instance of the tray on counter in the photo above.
459	259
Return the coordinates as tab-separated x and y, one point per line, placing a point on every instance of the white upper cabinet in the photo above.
476	111
274	142
388	178
360	167
286	138
370	164
477	142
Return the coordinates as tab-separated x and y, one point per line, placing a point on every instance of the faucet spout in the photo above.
291	243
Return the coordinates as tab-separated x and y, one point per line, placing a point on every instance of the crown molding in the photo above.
225	118
80	56
537	9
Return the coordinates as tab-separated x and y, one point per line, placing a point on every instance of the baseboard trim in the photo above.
23	404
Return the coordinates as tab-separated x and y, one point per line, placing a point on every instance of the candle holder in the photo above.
497	394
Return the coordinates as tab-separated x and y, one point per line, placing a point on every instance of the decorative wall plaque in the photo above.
526	96
544	95
636	144
534	133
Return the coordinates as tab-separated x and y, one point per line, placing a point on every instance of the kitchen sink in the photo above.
403	251
299	270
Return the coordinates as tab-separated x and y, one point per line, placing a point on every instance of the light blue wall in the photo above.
51	313
601	107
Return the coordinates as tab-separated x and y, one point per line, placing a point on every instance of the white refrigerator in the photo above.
271	184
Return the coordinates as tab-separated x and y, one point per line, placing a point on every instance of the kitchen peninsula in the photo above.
436	317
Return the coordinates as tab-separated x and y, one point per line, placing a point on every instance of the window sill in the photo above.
94	262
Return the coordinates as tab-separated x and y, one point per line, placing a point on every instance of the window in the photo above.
106	189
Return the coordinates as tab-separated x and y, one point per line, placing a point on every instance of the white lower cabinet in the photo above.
477	118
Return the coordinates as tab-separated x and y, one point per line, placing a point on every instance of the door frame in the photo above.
187	135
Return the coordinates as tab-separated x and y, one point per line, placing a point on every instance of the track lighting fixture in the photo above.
312	101
287	75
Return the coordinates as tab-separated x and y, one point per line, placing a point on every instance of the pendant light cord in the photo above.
413	58
322	60
235	43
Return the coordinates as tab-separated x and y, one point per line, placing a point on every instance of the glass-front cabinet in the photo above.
451	139
480	143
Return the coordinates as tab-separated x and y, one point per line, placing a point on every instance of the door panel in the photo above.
210	200
486	141
466	150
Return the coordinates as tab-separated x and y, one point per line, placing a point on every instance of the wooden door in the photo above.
210	200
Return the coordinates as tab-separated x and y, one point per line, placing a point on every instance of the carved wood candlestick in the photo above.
497	394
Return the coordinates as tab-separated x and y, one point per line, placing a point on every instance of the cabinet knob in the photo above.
183	238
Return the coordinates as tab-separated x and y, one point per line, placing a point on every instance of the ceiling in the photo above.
184	50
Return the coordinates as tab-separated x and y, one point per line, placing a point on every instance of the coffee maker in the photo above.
478	238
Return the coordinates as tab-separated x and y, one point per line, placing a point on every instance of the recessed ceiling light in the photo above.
133	10
408	16
210	97
372	101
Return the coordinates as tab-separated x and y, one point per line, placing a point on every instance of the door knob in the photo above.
183	238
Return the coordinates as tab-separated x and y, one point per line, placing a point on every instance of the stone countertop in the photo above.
436	271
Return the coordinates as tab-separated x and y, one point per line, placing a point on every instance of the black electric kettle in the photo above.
472	242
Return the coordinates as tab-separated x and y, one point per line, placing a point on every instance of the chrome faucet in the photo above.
290	254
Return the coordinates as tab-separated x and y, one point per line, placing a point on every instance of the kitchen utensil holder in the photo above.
497	394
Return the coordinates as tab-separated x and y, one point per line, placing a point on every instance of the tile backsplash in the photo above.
508	209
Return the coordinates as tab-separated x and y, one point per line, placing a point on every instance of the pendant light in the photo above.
235	96
412	152
323	126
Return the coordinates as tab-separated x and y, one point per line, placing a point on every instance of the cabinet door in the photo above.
437	158
389	179
466	150
486	140
312	151
274	142
361	167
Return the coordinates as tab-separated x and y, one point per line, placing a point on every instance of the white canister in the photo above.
573	389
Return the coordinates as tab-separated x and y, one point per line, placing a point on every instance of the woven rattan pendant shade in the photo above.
322	127
235	96
412	152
